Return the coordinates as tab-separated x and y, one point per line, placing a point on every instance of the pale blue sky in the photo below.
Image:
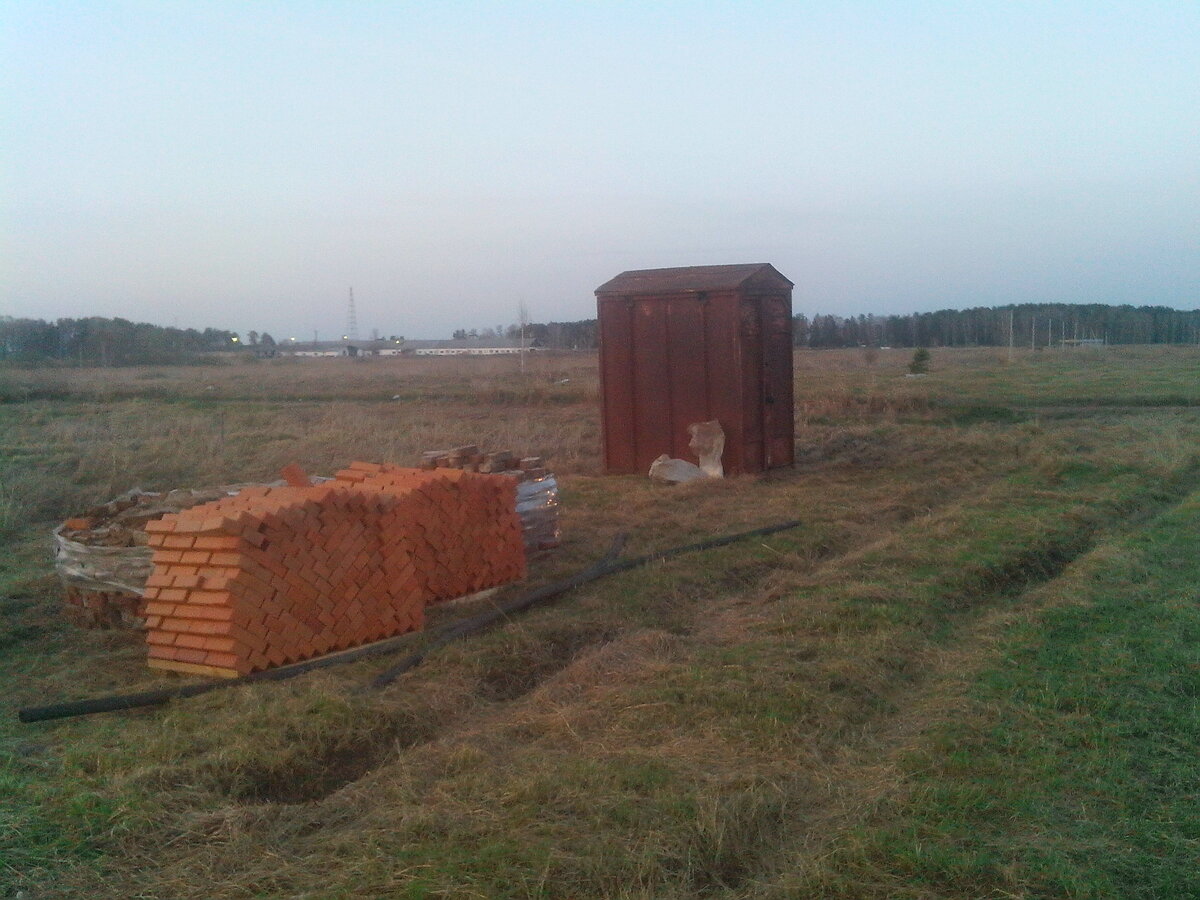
242	165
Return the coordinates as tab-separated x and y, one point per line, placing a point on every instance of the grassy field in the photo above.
972	672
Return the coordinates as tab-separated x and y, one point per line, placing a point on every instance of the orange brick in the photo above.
209	627
155	608
294	475
187	639
251	535
208	598
213	613
184	654
181	625
160	525
177	541
166	557
218	542
196	557
216	582
220	644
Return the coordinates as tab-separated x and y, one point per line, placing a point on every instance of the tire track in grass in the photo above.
1051	754
873	673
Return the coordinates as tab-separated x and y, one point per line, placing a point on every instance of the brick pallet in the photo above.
278	575
89	608
537	489
102	557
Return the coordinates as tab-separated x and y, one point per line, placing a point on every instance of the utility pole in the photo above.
1010	334
523	318
352	320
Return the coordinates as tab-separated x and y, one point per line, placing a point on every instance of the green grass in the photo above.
1139	377
1076	773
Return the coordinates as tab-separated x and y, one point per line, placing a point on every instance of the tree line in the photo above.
117	342
97	341
1026	325
580	335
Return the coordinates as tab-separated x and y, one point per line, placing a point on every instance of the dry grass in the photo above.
549	378
847	382
707	727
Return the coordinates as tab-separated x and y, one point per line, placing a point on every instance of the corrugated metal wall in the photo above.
668	360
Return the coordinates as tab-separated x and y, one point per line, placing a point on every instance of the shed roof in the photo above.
692	279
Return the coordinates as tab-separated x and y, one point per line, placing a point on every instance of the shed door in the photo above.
778	416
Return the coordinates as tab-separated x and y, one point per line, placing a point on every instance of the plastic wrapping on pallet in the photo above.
104	562
105	550
100	568
537	505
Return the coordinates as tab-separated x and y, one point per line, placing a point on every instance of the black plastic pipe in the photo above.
605	567
114	702
608	565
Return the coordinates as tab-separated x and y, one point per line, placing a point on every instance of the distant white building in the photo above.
467	347
323	349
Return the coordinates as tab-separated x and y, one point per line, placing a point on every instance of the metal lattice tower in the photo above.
351	319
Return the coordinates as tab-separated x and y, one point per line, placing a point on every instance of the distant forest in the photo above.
1037	325
106	342
118	342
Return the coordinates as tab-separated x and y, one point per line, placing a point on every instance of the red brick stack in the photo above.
469	536
277	575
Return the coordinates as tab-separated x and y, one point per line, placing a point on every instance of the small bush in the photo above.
920	362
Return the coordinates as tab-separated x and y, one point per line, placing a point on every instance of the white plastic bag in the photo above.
675	470
708	443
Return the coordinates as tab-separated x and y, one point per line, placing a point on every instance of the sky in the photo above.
244	165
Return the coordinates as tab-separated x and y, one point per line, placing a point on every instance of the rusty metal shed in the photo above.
693	344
